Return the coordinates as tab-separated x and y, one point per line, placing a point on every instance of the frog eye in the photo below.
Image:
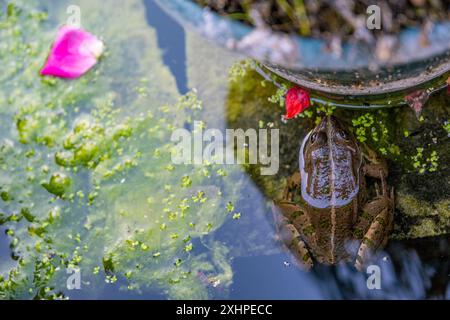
342	135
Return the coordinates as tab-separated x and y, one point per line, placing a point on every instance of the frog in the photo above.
327	213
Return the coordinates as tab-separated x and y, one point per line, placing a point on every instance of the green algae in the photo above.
85	178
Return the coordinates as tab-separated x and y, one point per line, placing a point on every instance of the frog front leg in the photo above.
375	166
377	229
284	213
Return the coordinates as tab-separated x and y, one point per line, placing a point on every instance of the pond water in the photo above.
87	183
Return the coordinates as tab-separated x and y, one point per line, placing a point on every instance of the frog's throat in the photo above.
320	203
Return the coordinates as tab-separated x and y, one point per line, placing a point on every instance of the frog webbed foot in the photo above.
375	170
375	166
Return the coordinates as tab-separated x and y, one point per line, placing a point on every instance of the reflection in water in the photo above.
404	275
171	40
4	245
270	277
6	260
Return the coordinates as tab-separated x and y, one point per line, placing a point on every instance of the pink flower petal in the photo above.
296	101
73	53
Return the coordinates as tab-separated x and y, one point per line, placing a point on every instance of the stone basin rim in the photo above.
430	63
193	16
391	87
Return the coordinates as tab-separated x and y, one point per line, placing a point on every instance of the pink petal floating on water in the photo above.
73	53
297	100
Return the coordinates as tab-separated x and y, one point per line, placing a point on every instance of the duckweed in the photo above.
236	216
446	127
278	97
58	185
424	164
239	69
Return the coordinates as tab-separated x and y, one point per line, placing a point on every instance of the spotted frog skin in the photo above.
325	215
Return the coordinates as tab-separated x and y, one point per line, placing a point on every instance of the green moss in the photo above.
427	226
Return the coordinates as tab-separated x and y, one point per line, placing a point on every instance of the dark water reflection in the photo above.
408	272
4	245
171	40
404	275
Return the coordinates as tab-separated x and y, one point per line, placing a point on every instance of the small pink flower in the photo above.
297	100
73	53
